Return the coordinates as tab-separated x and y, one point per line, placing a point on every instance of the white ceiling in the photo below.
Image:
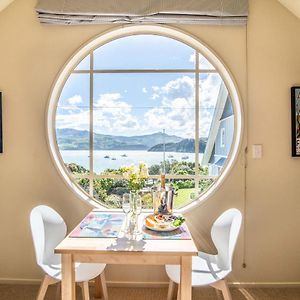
292	5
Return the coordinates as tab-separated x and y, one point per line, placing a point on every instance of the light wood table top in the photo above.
122	250
100	245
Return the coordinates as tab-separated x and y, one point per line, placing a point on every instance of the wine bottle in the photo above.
163	181
163	199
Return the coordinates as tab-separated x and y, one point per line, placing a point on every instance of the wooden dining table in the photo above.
125	251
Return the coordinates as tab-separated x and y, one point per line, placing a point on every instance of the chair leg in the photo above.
85	290
170	290
225	291
47	280
222	286
178	292
219	294
58	291
100	287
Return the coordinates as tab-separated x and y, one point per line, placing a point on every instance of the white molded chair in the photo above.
48	230
208	269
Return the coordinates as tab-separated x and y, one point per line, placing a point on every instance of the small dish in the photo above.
163	223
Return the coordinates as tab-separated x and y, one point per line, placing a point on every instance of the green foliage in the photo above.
109	191
136	176
74	168
183	184
84	183
147	201
154	170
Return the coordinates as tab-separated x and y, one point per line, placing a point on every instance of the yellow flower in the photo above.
136	176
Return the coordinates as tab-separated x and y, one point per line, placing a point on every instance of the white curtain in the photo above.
77	12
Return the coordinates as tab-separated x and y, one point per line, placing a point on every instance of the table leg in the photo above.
68	278
186	278
100	287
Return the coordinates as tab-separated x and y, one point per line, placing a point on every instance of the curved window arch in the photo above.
144	93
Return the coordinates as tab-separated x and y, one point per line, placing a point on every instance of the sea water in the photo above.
119	158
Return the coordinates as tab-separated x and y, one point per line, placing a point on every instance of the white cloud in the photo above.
176	113
144	90
175	110
192	58
113	115
79	120
76	99
109	103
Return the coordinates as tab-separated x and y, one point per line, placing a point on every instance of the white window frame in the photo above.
166	31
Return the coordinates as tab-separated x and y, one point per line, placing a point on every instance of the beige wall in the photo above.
31	55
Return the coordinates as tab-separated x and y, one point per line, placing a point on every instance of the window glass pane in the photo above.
204	64
144	52
109	192
216	122
187	192
84	183
76	92
146	116
84	64
139	117
72	121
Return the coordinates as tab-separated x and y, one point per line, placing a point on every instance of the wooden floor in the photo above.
28	292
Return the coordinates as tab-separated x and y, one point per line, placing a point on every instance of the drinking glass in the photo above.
126	209
137	210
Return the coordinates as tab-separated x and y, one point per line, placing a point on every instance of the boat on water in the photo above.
113	158
123	155
170	156
184	157
106	156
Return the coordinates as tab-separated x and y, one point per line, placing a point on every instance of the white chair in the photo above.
48	230
208	269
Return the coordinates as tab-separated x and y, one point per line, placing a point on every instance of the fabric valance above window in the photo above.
77	12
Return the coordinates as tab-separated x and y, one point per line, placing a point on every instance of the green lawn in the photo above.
183	197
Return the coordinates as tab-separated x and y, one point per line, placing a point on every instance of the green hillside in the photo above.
72	139
185	146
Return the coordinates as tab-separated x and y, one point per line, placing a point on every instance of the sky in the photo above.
140	103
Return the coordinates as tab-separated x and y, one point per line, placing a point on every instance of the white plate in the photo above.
170	228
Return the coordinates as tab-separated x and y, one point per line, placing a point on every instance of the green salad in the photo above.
178	221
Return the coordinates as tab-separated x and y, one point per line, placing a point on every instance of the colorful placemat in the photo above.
99	225
180	233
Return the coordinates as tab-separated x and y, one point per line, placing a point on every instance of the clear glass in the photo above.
187	192
204	64
136	210
144	52
146	116
126	206
216	122
126	203
136	117
72	123
84	64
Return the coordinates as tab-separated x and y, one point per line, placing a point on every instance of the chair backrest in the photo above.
224	233
48	230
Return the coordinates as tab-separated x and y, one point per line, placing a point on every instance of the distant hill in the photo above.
72	139
186	145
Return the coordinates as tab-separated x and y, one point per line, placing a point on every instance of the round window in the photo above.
144	94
